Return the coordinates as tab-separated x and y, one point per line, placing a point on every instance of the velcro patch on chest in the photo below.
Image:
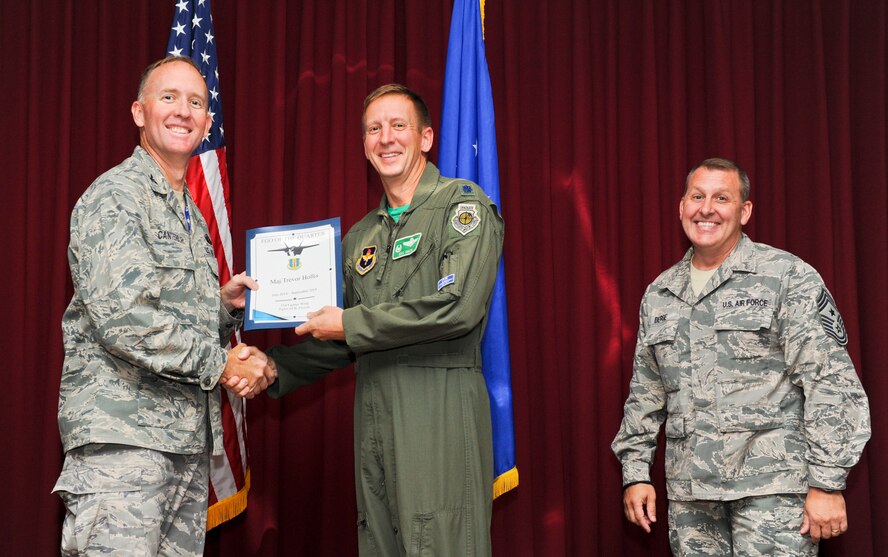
466	218
449	279
366	261
406	245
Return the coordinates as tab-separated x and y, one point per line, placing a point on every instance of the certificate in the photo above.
299	270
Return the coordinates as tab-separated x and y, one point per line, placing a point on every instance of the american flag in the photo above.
192	35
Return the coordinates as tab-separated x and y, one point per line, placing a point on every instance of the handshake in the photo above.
248	371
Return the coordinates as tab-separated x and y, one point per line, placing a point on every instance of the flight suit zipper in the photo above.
385	254
400	291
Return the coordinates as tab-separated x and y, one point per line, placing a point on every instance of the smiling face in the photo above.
712	212
172	113
395	142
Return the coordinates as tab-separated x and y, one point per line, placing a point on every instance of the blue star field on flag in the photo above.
192	36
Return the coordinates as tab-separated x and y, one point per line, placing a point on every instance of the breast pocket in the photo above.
744	336
175	274
662	339
749	357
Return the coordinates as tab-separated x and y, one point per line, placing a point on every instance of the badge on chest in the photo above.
367	260
406	246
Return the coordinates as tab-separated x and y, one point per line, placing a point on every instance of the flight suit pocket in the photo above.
435	533
452	274
411	268
366	542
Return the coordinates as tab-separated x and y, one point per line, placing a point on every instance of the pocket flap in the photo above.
675	426
661	332
84	479
743	319
751	417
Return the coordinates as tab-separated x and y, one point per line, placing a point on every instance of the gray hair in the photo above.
724	165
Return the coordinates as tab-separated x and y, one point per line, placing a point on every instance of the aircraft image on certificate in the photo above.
299	270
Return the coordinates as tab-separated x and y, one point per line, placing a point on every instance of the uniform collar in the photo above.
677	280
156	179
428	182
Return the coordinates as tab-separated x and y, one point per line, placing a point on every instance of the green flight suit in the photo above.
416	296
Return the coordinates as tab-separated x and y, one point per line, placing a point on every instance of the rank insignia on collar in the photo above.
466	218
406	245
366	261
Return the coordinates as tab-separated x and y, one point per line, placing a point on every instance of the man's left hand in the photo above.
234	293
324	324
825	515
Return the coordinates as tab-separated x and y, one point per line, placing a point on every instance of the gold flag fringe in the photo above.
230	507
506	481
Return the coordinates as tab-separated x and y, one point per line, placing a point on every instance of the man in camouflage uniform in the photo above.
144	339
741	352
419	273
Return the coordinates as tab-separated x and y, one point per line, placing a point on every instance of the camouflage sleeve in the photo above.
836	412
121	287
228	323
643	413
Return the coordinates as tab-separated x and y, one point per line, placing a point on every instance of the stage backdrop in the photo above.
601	109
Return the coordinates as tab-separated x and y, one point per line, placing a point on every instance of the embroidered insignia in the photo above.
449	279
466	218
366	261
406	245
168	235
294	263
830	318
467	189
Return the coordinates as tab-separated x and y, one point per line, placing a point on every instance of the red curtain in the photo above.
602	107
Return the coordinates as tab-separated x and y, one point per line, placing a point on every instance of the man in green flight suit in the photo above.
419	272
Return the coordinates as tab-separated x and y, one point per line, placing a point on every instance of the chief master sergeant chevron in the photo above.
144	336
741	351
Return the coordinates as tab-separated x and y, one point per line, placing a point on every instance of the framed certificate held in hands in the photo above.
299	270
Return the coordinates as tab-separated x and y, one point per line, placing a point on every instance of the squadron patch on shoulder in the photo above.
830	318
466	218
366	261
